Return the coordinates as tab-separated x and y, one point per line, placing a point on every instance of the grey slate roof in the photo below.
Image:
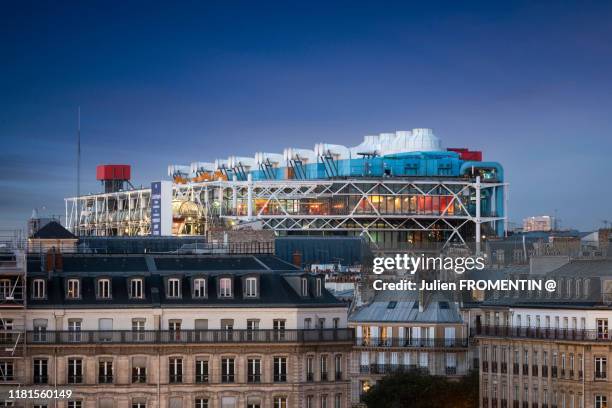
406	310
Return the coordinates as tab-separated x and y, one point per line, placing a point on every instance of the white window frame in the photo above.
173	288
137	288
39	289
102	291
199	288
73	288
250	287
225	291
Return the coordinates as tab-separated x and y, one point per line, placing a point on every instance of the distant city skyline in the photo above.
528	84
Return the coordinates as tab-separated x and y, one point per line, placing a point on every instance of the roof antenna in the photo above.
78	163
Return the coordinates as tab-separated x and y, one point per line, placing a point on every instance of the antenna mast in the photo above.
78	165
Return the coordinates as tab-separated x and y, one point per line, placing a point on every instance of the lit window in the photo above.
199	288
38	289
225	287
174	287
251	287
280	402
104	288
73	289
136	289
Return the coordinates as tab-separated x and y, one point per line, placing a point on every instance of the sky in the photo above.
528	83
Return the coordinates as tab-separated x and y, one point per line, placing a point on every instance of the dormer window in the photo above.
318	289
73	289
304	287
225	287
174	288
250	287
38	289
199	288
103	289
136	288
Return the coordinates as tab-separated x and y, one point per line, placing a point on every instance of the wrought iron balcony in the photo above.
412	343
541	333
189	336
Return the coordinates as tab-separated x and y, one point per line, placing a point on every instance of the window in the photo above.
318	290
250	287
138	327
199	288
227	370
225	287
201	371
105	371
602	328
175	329
40	330
40	371
280	369
174	288
338	366
308	323
304	282
38	289
74	329
139	403
136	289
323	401
139	369
601	401
254	370
279	328
601	368
104	289
175	370
338	401
201	403
75	371
309	401
336	323
309	368
6	370
73	289
323	367
105	327
253	402
280	402
75	404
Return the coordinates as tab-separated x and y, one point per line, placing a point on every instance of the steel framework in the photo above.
358	206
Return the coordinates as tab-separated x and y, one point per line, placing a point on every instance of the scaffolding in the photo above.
13	279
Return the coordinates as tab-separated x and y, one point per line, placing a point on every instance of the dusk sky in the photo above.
528	83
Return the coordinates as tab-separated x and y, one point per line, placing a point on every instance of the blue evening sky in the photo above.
529	83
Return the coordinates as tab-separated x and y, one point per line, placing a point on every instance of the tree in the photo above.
417	389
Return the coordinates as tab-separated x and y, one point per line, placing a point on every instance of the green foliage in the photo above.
417	389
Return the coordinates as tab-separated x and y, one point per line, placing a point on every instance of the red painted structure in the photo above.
113	172
466	154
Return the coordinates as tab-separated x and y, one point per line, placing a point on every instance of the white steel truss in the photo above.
359	205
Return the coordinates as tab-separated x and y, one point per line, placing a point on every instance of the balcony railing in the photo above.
190	336
540	333
414	343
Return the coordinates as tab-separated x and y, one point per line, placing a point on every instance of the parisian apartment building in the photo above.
543	349
172	331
